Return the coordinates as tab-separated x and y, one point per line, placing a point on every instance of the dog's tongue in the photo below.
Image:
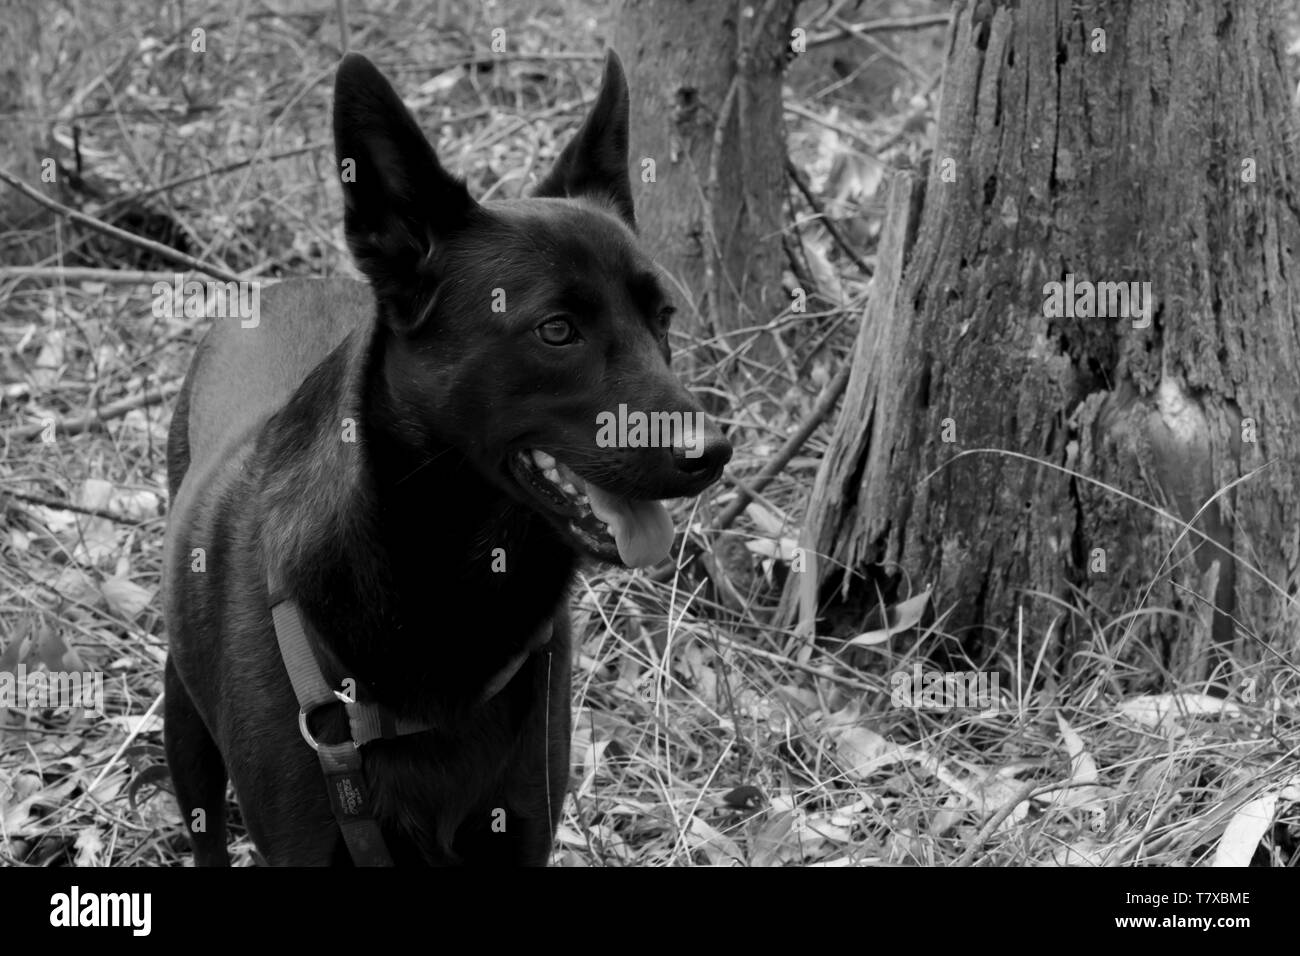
642	529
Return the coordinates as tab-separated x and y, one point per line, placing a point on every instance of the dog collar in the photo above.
368	721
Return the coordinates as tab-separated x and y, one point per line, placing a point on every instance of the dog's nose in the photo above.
714	453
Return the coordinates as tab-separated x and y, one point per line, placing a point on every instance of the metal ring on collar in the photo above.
306	734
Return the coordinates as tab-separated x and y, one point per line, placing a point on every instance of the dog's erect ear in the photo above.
397	199
595	161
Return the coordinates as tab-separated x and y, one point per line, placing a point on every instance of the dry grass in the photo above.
702	733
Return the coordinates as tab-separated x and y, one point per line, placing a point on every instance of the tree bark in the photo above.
21	107
987	445
706	109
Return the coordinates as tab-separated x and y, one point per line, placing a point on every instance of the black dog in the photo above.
414	467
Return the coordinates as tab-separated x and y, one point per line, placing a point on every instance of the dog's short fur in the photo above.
371	443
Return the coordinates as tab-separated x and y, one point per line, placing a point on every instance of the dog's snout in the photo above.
706	457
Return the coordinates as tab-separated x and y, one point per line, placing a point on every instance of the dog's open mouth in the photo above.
637	532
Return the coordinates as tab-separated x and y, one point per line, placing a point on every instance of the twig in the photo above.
891	25
784	660
157	248
995	821
492	59
831	12
345	41
84	274
78	509
1153	821
73	426
799	109
791	447
209	173
881	48
747	491
826	220
112	761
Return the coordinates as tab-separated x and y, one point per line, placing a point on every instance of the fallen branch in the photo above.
90	222
745	493
73	426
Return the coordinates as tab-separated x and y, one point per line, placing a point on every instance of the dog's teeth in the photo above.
552	475
568	489
544	461
583	500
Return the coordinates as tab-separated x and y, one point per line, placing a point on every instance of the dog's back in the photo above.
246	371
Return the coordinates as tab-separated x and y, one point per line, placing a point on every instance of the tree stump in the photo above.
1023	449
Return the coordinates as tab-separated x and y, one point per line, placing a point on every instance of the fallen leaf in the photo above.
135	724
1082	853
55	653
781	549
720	850
76	585
96	538
765	520
139	504
1083	769
1160	710
901	617
1244	831
124	596
89	848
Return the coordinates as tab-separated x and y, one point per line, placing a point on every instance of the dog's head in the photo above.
531	334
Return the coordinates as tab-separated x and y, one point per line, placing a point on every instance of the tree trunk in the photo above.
989	444
21	108
705	79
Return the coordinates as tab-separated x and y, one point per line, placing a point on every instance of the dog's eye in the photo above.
557	332
665	318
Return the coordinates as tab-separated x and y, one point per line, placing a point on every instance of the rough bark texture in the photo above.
1125	165
20	129
695	66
